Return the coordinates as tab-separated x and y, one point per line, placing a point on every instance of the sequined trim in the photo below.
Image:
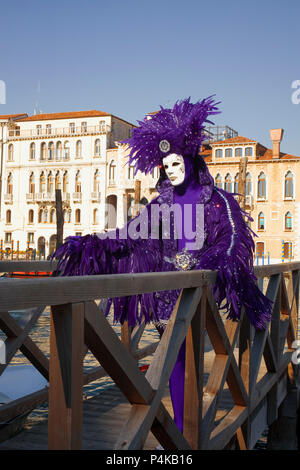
231	223
183	260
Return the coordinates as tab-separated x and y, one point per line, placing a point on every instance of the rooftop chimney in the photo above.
276	137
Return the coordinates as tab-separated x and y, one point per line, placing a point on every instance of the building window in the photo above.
10	152
248	185
238	152
31	183
52	216
30	237
50	182
248	151
38	129
228	183
77	216
102	125
40	216
112	171
84	126
66	150
78	149
31	216
219	153
228	153
9	184
7	237
260	249
48	129
131	172
289	185
51	151
72	127
58	150
261	188
218	181
261	221
32	151
236	183
97	147
65	182
43	151
288	222
96	182
57	181
8	216
95	217
78	182
42	182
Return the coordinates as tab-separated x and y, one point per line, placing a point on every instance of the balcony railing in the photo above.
57	132
48	196
8	197
95	196
77	197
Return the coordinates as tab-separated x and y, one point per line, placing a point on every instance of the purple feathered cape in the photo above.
228	248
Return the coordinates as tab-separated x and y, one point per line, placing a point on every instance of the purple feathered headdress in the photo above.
179	130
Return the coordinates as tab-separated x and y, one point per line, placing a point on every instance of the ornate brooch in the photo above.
183	261
164	146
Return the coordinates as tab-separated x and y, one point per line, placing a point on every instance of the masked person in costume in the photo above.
171	139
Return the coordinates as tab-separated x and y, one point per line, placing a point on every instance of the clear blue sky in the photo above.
127	57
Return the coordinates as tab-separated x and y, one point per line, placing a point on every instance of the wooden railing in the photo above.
256	365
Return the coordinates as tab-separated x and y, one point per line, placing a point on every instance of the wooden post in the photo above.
59	219
66	376
137	197
242	181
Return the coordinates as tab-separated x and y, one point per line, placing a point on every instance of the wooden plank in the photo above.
27	266
62	290
59	219
271	269
66	377
194	371
222	434
22	405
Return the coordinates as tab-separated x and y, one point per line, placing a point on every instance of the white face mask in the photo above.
174	168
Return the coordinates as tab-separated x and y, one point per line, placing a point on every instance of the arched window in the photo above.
261	188
57	181
288	221
219	153
50	182
77	216
32	151
112	171
65	182
248	151
52	216
130	172
58	150
43	151
78	149
51	151
248	185
40	216
66	150
69	219
78	182
31	183
42	183
228	183
10	152
289	185
8	216
9	184
95	217
238	152
96	182
228	153
31	216
236	183
218	181
261	221
97	147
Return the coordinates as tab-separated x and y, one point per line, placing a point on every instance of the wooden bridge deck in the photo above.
103	419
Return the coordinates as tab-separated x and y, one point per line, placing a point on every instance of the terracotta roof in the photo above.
9	116
234	140
70	115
